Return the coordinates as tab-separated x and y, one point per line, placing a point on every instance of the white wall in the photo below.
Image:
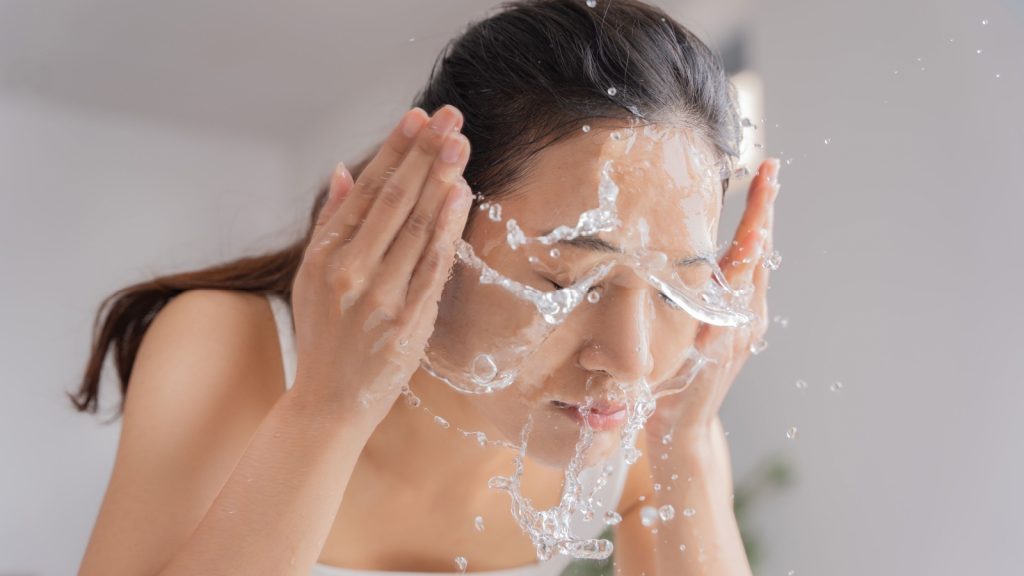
90	203
900	278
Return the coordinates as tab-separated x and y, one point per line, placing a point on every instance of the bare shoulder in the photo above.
207	372
209	345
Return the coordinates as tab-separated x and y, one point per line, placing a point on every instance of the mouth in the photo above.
602	416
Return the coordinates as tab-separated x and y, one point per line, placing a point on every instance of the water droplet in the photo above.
592	3
613	91
984	22
836	387
593	297
759	346
484	369
791	433
801	385
772	261
828	140
999	75
978	51
612	518
441	422
648	516
461	563
495	213
682	547
657	487
789	161
554	253
689	512
586	128
478	523
666	512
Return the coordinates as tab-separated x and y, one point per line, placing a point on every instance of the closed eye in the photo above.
664	296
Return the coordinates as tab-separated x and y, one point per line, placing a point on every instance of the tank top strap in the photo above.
286	336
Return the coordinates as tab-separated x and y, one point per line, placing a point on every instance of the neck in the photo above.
410	444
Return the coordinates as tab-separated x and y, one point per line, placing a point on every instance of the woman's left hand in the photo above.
723	351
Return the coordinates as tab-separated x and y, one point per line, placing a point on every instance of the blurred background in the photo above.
878	433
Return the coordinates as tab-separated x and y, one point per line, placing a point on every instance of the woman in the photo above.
227	467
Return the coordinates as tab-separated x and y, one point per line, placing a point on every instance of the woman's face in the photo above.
660	189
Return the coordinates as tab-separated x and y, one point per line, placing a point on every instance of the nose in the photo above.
620	329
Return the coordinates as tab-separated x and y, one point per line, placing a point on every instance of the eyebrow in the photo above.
599	245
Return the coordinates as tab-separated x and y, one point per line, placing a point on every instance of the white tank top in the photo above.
610	494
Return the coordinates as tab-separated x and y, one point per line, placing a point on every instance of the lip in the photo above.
603	416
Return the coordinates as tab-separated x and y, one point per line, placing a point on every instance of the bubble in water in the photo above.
441	422
478	523
667	512
593	297
461	562
978	51
495	213
836	387
648	516
828	140
616	136
772	261
613	91
759	346
682	547
484	369
666	439
999	75
689	512
984	22
612	518
791	433
555	253
586	128
789	161
801	384
592	3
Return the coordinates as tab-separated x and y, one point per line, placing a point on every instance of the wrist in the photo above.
332	411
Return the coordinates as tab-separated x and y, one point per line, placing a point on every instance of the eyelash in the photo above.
664	297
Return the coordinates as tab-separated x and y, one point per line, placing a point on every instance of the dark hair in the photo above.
525	77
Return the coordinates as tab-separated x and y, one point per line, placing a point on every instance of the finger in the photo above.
435	263
337	189
740	260
403	189
761	275
349	217
401	259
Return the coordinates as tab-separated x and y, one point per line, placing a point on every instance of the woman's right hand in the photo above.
365	297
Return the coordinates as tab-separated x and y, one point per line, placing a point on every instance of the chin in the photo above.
553	443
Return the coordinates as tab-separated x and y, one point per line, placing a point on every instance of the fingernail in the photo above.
340	170
452	149
412	123
444	120
460	199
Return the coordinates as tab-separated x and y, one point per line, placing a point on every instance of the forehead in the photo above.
669	186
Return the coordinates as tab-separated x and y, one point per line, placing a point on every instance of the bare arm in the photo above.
706	543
